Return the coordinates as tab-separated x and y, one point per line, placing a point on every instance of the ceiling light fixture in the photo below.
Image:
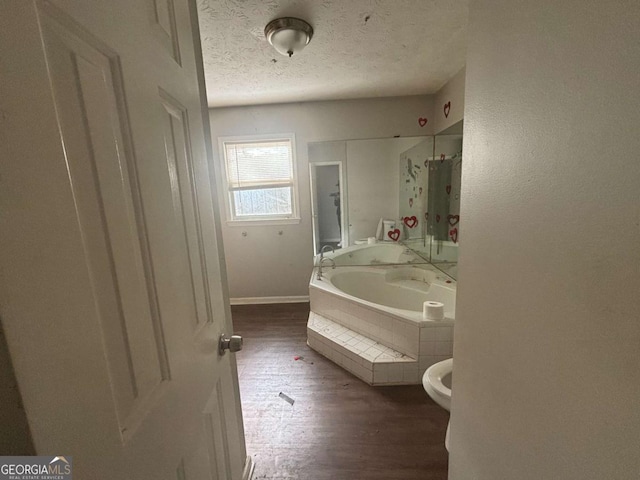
288	35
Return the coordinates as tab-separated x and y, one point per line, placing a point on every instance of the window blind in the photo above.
259	164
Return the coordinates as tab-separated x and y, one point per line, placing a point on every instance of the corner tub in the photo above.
377	254
382	304
398	290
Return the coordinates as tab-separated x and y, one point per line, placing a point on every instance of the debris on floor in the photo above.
286	398
300	357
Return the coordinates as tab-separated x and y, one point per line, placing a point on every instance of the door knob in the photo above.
232	343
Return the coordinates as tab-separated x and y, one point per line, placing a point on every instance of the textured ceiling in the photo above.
360	49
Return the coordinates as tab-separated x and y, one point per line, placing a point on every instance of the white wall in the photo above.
547	339
451	93
254	260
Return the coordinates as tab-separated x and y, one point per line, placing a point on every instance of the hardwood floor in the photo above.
338	427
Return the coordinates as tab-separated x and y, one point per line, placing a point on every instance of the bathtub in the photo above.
397	290
376	254
351	305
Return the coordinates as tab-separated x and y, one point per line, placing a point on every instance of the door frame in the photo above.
344	220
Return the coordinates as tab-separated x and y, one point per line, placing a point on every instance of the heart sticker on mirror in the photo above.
422	121
410	221
453	219
447	109
453	233
394	234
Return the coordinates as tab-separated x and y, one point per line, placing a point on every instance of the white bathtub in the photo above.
398	290
384	303
377	254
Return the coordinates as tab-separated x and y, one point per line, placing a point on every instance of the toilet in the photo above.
437	383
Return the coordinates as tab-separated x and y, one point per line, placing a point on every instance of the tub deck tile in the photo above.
369	360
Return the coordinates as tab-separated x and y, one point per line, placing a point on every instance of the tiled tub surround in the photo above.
400	345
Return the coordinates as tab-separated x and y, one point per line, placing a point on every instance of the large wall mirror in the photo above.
354	184
389	191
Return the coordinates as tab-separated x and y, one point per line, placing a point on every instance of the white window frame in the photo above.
232	220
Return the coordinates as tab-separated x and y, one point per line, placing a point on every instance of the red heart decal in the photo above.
447	108
422	121
438	217
453	233
410	202
453	219
448	189
410	221
420	191
442	157
394	234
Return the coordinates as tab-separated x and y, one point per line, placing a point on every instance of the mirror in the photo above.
354	184
401	194
413	189
443	210
430	176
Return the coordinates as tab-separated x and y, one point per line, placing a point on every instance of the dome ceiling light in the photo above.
288	35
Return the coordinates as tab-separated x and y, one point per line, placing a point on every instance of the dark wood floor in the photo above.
338	427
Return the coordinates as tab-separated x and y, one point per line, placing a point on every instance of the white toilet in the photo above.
437	383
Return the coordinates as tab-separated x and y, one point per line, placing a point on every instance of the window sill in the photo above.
262	223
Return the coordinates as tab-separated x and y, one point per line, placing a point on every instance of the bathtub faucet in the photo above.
333	265
326	248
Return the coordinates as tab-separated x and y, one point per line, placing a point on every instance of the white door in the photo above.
113	293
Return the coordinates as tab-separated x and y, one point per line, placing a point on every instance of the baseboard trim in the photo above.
265	300
249	467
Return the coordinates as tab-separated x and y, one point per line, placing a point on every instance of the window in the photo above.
260	178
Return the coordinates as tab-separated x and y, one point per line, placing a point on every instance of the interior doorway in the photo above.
328	205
